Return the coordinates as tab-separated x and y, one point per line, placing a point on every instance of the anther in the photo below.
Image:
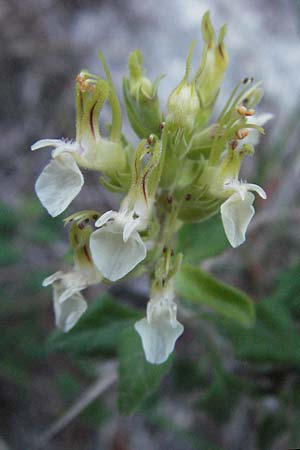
81	225
87	220
242	133
150	139
95	217
164	249
250	112
80	77
84	86
162	125
188	197
242	110
172	252
247	80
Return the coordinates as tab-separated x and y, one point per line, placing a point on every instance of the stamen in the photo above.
84	86
242	133
151	139
250	112
80	77
242	110
248	80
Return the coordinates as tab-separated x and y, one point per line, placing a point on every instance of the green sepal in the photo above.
200	142
198	214
146	174
252	97
88	106
207	29
120	182
212	68
78	236
174	145
81	216
197	204
141	100
144	117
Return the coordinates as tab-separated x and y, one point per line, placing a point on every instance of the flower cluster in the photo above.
184	169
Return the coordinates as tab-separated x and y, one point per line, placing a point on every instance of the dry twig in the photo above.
96	389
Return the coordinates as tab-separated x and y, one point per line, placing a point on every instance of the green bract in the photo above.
184	170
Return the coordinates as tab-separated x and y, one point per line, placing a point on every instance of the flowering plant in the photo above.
185	169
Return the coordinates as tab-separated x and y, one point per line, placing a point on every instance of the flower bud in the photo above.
183	106
141	99
212	69
139	85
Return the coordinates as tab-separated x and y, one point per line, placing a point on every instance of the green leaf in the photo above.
98	331
9	253
8	219
26	339
199	241
223	395
287	292
68	386
274	339
137	378
272	426
197	286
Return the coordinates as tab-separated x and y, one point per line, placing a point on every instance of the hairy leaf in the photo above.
197	286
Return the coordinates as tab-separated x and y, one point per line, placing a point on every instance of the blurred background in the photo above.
229	388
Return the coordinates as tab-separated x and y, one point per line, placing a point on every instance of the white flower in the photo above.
61	180
237	211
160	330
69	304
117	247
